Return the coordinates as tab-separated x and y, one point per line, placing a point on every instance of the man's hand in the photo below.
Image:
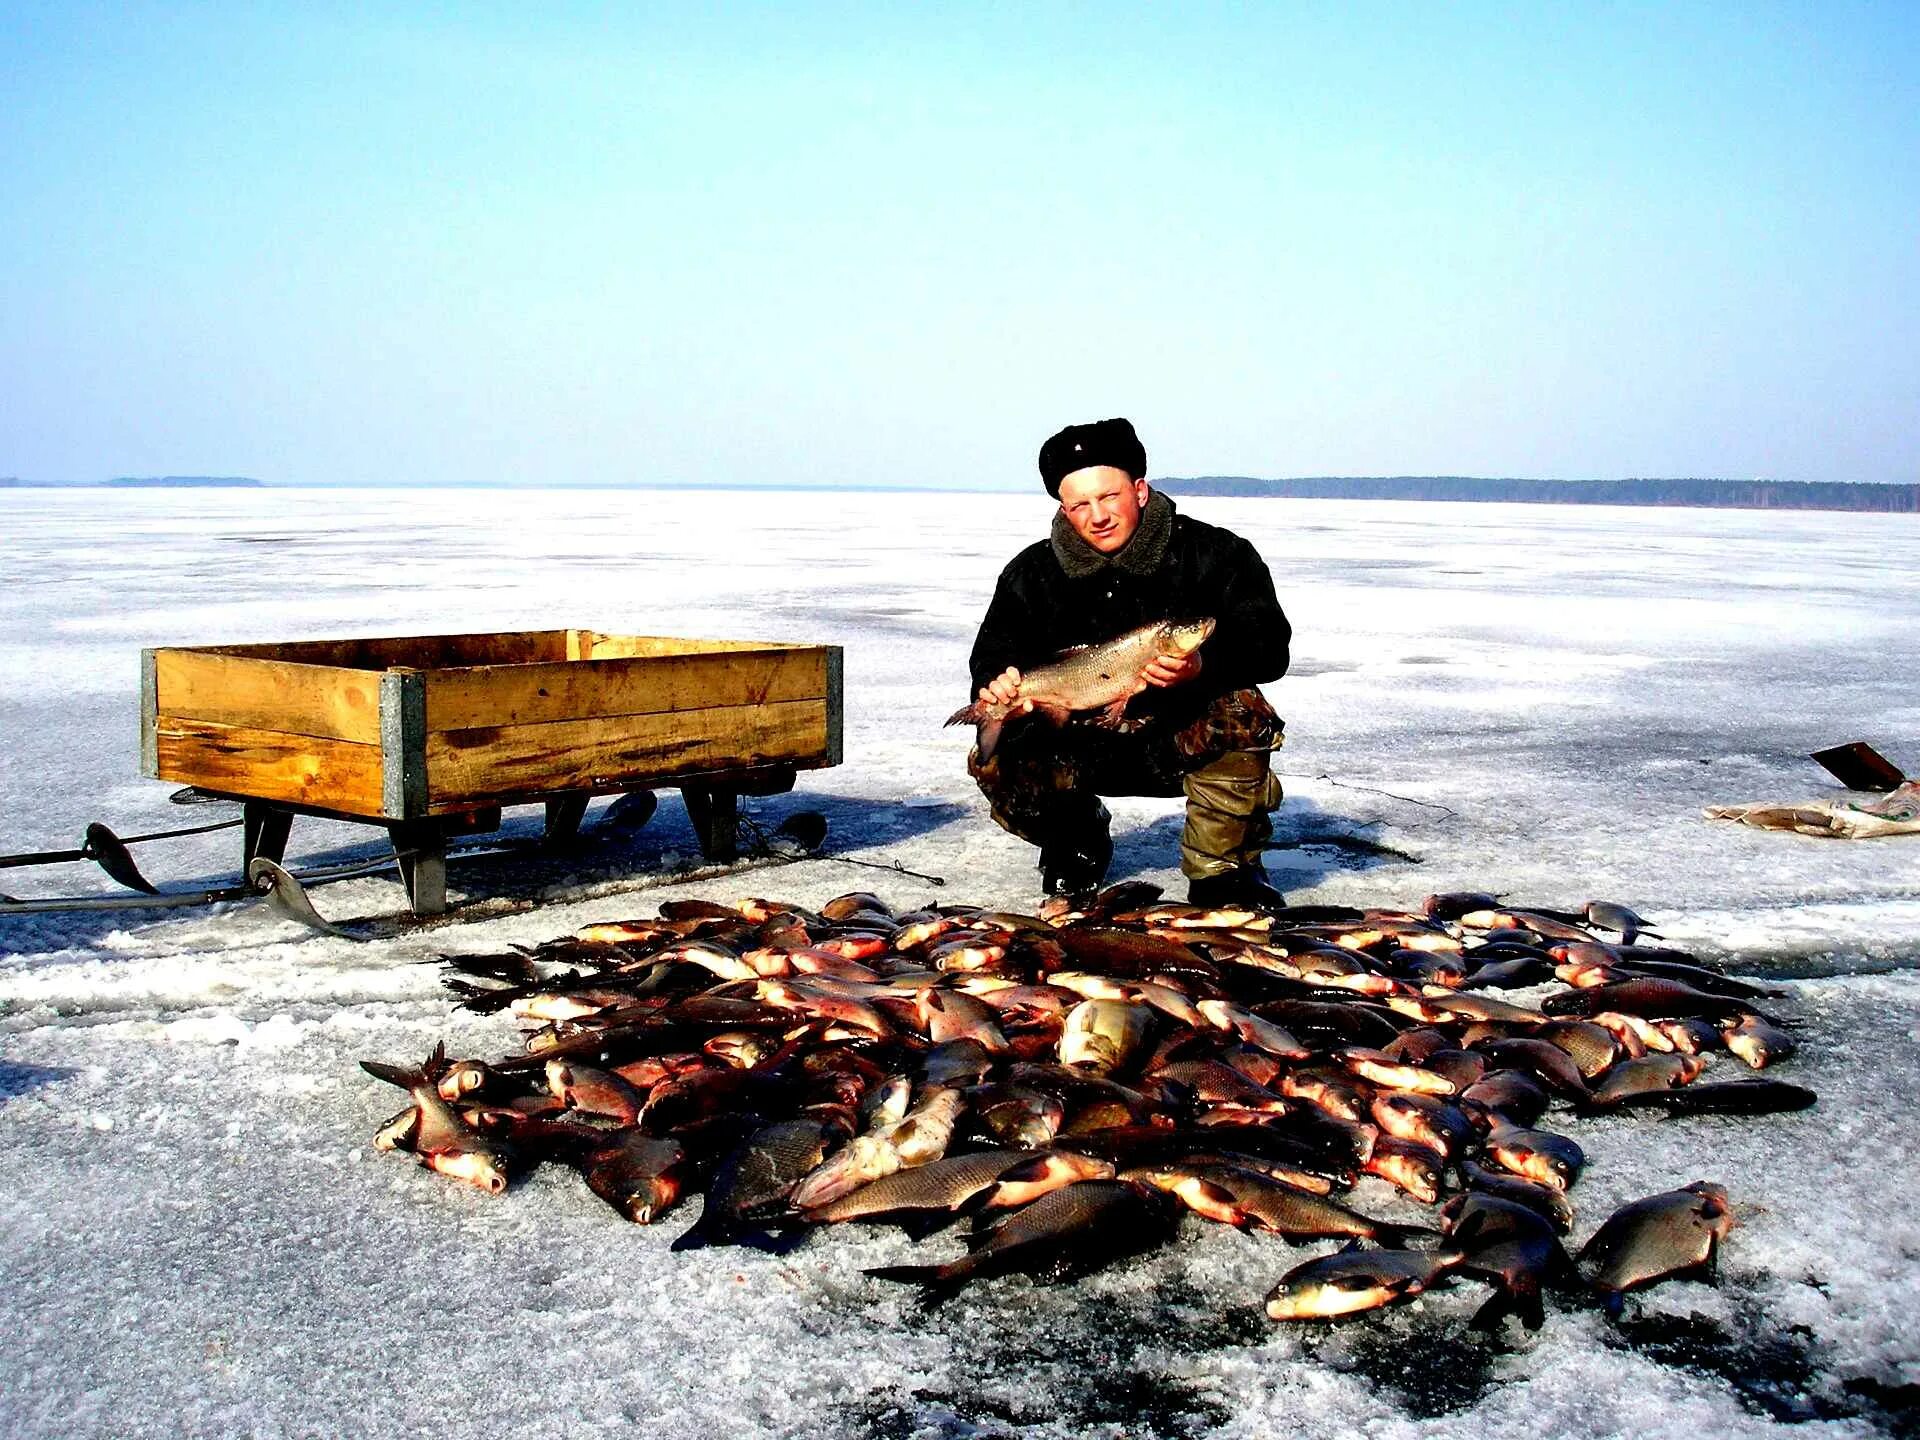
1172	669
1004	689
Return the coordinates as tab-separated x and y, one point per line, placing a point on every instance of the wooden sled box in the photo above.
413	729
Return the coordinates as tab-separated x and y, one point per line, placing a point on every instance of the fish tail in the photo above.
930	1275
1396	1236
1522	1300
989	720
978	713
988	738
1499	1305
920	1227
691	1240
400	1075
774	1239
702	1233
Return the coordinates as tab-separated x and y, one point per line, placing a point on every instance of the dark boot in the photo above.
1074	862
1247	885
1229	802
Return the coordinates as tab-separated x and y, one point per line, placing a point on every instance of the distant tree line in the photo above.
227	481
192	481
1720	494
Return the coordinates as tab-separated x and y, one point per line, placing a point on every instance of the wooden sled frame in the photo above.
430	736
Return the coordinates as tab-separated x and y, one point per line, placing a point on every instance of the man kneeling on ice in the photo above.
1183	626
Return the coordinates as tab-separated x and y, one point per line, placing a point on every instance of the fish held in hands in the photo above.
1099	677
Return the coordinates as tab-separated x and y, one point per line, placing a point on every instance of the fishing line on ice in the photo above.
1450	812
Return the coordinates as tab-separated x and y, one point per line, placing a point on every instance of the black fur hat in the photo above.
1104	442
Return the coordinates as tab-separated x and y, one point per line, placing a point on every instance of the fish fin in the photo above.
481	999
987	738
1467	1230
1499	1305
939	1292
774	1239
1112	717
974	714
399	1075
983	1224
1396	1235
1216	1194
1533	1313
1033	1167
919	1225
1563	1275
905	1274
1522	1300
698	1236
929	1275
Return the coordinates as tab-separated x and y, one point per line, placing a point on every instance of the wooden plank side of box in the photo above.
416	652
323	700
585	690
594	645
269	764
468	767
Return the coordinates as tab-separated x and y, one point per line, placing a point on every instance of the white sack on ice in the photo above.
1896	813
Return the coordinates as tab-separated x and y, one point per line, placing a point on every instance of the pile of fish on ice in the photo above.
1072	1083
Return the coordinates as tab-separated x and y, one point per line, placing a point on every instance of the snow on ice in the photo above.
199	1239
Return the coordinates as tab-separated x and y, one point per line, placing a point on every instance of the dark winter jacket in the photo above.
1039	609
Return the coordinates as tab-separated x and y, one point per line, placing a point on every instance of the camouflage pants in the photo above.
1044	783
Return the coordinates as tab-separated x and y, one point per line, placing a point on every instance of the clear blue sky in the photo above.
900	244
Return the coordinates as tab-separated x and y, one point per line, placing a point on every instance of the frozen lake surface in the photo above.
199	1239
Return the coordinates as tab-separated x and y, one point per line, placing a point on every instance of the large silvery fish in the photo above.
1096	677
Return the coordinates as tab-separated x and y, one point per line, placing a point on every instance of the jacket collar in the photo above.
1140	556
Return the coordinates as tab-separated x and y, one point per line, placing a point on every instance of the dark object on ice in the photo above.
1859	766
110	852
806	828
194	795
286	896
631	811
106	848
1074	862
1726	1097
